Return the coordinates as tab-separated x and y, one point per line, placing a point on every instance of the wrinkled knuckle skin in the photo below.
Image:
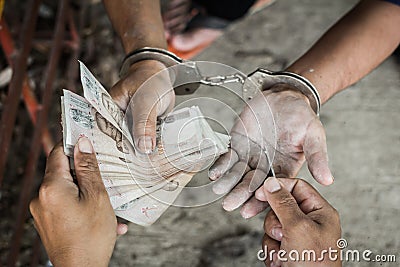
88	164
286	200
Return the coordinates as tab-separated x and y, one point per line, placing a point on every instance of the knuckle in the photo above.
47	194
286	201
302	182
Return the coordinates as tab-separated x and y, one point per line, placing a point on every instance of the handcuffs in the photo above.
259	80
252	84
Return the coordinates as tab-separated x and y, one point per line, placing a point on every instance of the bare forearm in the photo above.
353	47
138	23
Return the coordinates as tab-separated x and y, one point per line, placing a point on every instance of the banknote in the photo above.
140	186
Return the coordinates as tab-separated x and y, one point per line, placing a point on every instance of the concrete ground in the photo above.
362	126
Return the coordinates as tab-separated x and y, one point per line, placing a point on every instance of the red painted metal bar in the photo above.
14	90
29	98
35	150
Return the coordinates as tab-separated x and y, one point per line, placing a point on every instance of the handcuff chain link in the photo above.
221	80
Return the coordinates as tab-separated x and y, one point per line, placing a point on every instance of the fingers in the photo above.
139	73
257	179
271	247
87	170
230	179
120	94
147	90
144	115
296	197
122	228
272	226
316	154
154	98
239	194
223	164
311	202
253	207
242	192
282	202
288	183
57	167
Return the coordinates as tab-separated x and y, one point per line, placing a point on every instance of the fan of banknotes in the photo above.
141	187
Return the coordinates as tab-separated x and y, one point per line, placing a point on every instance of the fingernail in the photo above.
272	185
212	174
85	146
244	213
260	195
277	233
122	229
145	144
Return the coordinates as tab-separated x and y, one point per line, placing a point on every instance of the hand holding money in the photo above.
147	105
75	220
140	186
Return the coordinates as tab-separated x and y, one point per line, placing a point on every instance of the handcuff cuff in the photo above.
259	80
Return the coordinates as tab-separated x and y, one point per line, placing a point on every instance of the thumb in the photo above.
316	154
282	202
144	116
153	98
87	170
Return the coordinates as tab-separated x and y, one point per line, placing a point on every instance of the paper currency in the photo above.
141	187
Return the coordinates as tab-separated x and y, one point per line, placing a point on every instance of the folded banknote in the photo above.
140	186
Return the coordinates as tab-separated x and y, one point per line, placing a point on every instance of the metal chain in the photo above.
221	80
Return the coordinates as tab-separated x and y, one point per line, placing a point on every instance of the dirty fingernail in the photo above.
277	233
85	146
145	144
272	185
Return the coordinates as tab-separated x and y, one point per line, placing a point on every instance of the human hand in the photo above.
299	136
75	221
300	219
155	98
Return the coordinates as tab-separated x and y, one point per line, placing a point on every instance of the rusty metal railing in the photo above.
19	87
